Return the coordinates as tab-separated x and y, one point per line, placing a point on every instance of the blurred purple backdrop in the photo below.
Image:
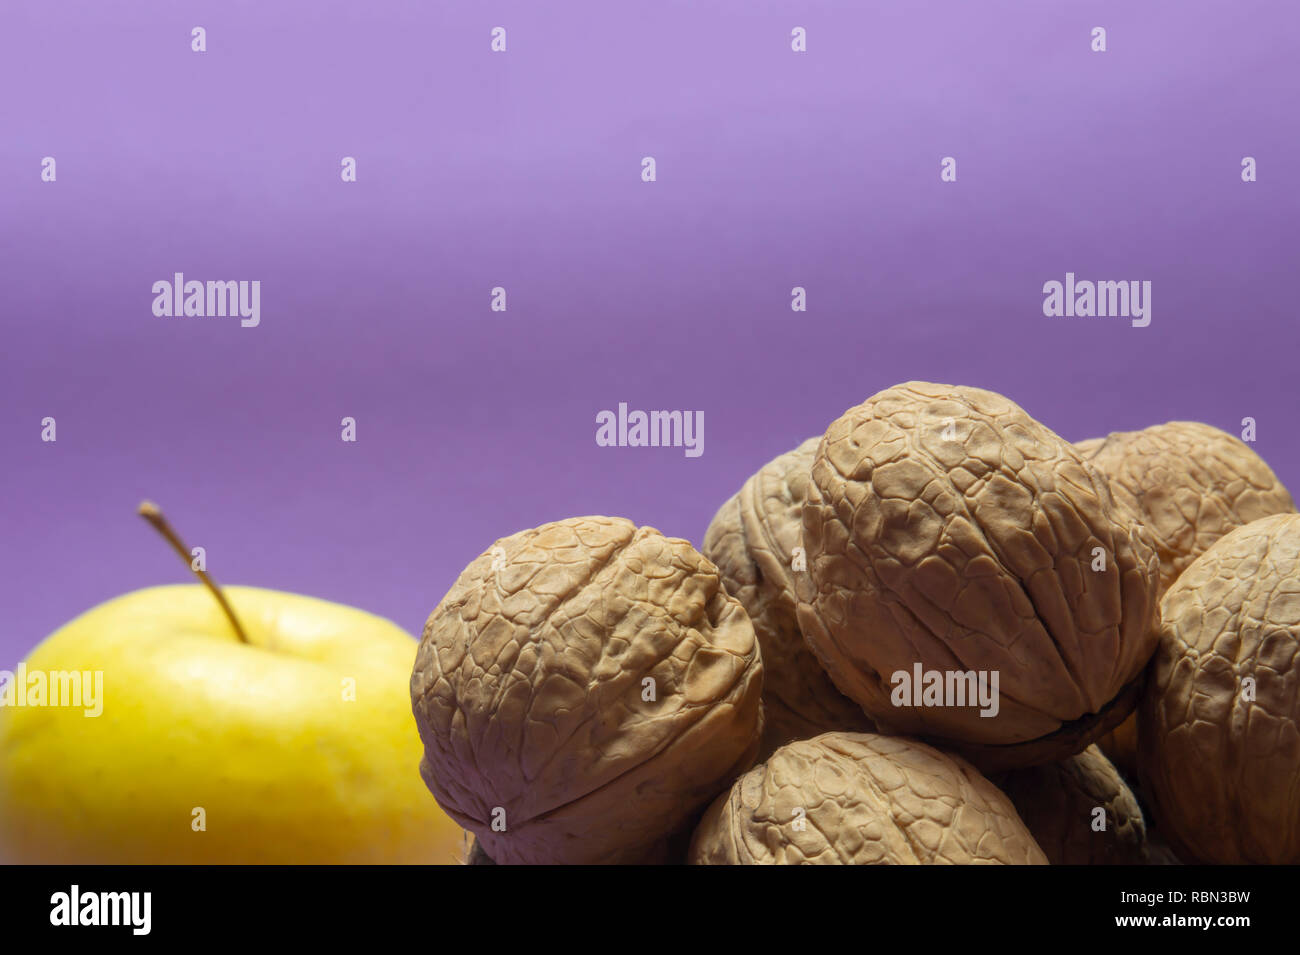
476	169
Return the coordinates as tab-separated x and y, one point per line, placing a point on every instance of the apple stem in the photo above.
154	515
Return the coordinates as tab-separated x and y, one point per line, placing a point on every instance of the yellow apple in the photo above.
297	746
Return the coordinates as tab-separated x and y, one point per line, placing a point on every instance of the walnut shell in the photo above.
862	799
590	685
1190	483
753	540
948	529
1221	771
1059	803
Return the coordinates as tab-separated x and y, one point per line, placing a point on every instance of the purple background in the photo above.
523	170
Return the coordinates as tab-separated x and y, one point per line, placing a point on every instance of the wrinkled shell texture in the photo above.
528	692
1190	483
1057	802
946	526
752	540
1222	773
868	800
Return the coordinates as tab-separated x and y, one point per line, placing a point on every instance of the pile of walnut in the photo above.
900	644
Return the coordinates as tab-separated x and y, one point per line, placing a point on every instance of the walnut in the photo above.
862	799
582	691
1190	483
948	533
1080	811
1219	728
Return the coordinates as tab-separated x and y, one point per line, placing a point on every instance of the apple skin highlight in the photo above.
296	747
